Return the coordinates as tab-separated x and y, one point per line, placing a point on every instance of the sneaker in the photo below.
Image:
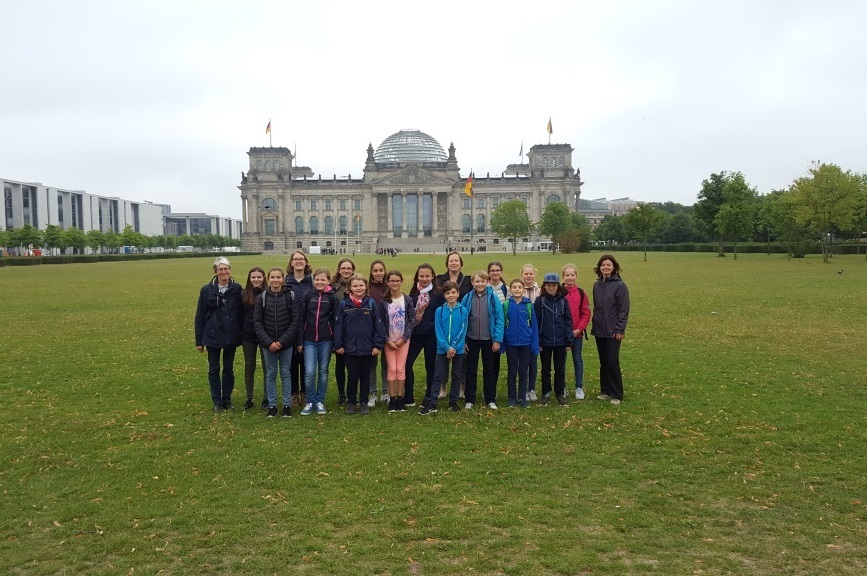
615	401
401	405
341	399
218	408
492	405
531	396
524	404
272	412
579	393
392	405
287	411
371	402
408	402
425	410
511	404
351	409
385	398
320	408
561	400
603	397
468	406
296	401
247	405
264	404
228	406
544	400
365	408
453	406
308	409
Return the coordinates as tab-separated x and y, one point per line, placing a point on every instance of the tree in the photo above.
645	221
113	240
679	228
710	200
719	190
827	201
779	211
510	220
570	241
4	240
556	220
53	237
25	236
611	230
95	240
76	238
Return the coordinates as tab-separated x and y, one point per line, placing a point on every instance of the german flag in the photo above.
468	187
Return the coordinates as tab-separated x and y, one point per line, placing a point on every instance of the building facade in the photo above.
410	196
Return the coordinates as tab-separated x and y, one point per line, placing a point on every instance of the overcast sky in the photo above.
160	101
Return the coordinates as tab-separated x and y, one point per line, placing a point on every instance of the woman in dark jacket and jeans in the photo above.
249	342
610	315
219	314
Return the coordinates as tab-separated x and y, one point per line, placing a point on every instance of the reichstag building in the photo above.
410	197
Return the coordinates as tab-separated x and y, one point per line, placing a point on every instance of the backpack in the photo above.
506	314
581	299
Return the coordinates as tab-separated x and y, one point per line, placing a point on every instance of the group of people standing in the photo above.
293	320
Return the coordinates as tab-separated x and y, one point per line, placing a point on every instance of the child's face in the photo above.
346	271
570	277
480	284
257	279
517	290
275	280
377	273
394	283
528	276
320	281
358	289
451	296
494	274
551	288
425	277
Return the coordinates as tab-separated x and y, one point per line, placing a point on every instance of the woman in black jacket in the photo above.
610	315
426	297
219	314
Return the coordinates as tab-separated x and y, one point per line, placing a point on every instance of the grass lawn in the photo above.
740	447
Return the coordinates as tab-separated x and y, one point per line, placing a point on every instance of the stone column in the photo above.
254	213
404	232
433	214
419	215
390	232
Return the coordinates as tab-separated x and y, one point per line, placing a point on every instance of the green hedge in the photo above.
745	248
90	258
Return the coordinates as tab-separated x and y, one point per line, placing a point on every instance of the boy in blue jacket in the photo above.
450	324
484	337
520	341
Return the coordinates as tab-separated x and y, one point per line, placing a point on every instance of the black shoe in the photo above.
341	399
287	411
351	409
392	405
401	405
365	409
264	404
561	400
408	402
425	410
218	408
272	412
247	405
228	405
544	400
453	406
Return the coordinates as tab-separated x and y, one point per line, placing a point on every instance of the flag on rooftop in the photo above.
550	128
268	128
468	187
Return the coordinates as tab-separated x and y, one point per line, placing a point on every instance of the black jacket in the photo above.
425	326
219	316
465	283
248	331
610	307
555	320
319	313
277	318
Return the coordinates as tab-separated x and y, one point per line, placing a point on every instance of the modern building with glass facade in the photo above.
410	196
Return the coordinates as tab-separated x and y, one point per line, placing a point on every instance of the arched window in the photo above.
480	223
299	225
258	164
466	222
314	225
269	204
551	199
267	165
269	245
329	225
357	225
343	224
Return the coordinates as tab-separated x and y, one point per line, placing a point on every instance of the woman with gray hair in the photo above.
219	315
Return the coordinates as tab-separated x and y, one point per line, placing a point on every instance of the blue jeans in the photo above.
316	355
282	357
221	388
578	360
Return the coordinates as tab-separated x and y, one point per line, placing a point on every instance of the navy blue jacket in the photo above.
425	327
555	320
299	288
219	316
359	329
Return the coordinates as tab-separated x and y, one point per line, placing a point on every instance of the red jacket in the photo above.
580	310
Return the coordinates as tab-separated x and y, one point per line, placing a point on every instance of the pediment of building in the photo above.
410	175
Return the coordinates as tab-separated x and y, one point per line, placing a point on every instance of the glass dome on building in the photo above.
410	146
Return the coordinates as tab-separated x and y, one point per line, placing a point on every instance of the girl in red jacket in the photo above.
580	309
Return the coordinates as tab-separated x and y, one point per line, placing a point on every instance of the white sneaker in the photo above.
320	408
308	409
468	406
615	401
603	397
385	399
492	405
579	393
372	402
531	396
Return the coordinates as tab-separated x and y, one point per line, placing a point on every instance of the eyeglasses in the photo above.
395	281
494	270
299	259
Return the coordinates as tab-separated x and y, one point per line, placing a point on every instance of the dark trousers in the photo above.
518	359
298	372
221	387
417	344
490	370
251	351
610	378
340	373
558	355
534	371
440	371
359	370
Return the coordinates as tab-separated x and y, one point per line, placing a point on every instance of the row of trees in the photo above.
55	238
